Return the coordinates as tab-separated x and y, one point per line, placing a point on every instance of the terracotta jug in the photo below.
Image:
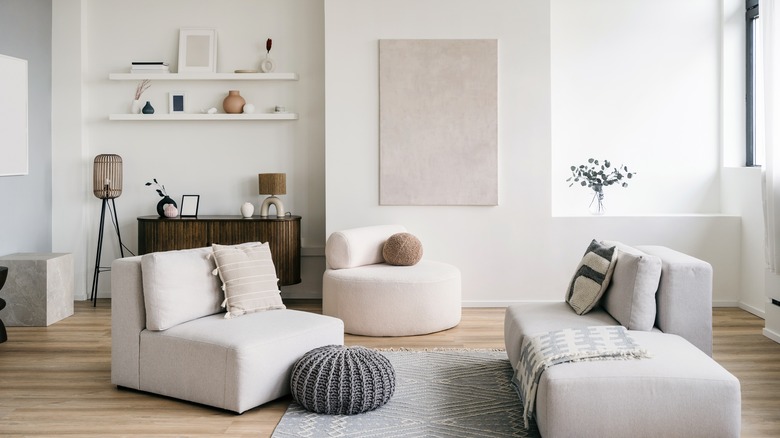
233	103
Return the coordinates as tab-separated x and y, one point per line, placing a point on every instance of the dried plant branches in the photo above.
142	86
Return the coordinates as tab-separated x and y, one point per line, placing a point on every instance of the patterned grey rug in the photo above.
440	393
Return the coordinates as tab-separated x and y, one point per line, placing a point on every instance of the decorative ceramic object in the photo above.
247	209
267	64
136	107
233	103
170	210
249	108
148	108
166	200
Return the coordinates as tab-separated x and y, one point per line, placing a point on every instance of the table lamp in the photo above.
106	185
272	184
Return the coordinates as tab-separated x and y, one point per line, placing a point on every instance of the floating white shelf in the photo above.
204	76
209	117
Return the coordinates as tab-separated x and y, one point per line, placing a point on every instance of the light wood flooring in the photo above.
55	380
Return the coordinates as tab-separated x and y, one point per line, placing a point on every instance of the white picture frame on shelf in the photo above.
176	100
197	50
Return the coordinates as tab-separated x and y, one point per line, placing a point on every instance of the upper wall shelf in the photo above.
204	76
189	116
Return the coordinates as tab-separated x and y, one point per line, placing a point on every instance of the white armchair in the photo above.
374	298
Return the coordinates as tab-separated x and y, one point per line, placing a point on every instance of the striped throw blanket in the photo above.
541	351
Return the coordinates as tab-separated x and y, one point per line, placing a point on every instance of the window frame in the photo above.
751	14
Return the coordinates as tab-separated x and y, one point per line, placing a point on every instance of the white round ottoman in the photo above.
385	300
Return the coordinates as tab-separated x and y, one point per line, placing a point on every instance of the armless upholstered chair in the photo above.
374	298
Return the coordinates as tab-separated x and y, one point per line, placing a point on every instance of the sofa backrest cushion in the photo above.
630	298
591	278
248	278
358	246
179	287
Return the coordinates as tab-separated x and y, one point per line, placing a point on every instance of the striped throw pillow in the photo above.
592	277
248	278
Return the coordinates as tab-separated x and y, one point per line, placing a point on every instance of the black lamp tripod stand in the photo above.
107	185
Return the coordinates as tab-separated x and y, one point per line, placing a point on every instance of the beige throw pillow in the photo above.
591	278
630	298
248	278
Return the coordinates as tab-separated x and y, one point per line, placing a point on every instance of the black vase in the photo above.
161	205
148	108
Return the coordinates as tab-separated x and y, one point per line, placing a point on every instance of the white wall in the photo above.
637	82
518	250
217	160
25	207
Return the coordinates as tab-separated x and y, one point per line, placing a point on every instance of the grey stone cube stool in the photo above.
339	380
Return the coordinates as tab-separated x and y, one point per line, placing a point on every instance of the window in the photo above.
754	153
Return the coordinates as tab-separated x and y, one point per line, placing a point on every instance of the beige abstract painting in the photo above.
438	122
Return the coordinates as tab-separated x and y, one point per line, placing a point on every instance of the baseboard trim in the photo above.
772	335
754	310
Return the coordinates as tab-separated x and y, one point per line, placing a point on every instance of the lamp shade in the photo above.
272	183
107	176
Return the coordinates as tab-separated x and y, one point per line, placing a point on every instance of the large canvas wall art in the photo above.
438	128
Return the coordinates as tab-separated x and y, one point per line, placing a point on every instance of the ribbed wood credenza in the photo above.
283	235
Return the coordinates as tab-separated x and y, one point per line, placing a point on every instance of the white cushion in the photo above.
386	300
358	246
630	298
591	277
248	278
179	287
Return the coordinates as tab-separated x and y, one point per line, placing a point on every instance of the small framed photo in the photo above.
176	102
197	50
189	205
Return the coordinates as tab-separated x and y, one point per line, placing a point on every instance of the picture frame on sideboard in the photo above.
189	205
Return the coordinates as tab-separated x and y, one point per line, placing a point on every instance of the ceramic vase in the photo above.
267	65
233	103
163	202
170	210
247	209
136	107
148	108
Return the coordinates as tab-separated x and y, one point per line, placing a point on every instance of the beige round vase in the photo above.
233	103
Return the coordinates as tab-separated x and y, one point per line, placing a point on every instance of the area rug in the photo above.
439	393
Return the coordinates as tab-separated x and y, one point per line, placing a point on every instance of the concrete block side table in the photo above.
39	288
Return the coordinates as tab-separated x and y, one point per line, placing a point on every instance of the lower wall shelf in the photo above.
200	117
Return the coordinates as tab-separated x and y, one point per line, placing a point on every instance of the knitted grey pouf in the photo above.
339	380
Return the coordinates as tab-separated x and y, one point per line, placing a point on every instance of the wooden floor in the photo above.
55	380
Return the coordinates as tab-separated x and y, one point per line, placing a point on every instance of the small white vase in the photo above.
136	108
247	209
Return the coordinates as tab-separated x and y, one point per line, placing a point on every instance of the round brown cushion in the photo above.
402	249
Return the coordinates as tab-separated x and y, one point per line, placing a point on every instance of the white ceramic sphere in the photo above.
249	108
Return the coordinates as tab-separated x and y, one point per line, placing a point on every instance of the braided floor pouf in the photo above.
339	380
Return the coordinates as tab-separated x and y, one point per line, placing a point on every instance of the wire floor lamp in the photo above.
106	185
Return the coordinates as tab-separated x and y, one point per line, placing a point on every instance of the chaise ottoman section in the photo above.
679	391
235	363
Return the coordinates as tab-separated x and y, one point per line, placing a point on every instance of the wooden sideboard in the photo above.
283	235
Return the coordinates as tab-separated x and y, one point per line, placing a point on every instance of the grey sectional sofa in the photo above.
170	337
664	298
